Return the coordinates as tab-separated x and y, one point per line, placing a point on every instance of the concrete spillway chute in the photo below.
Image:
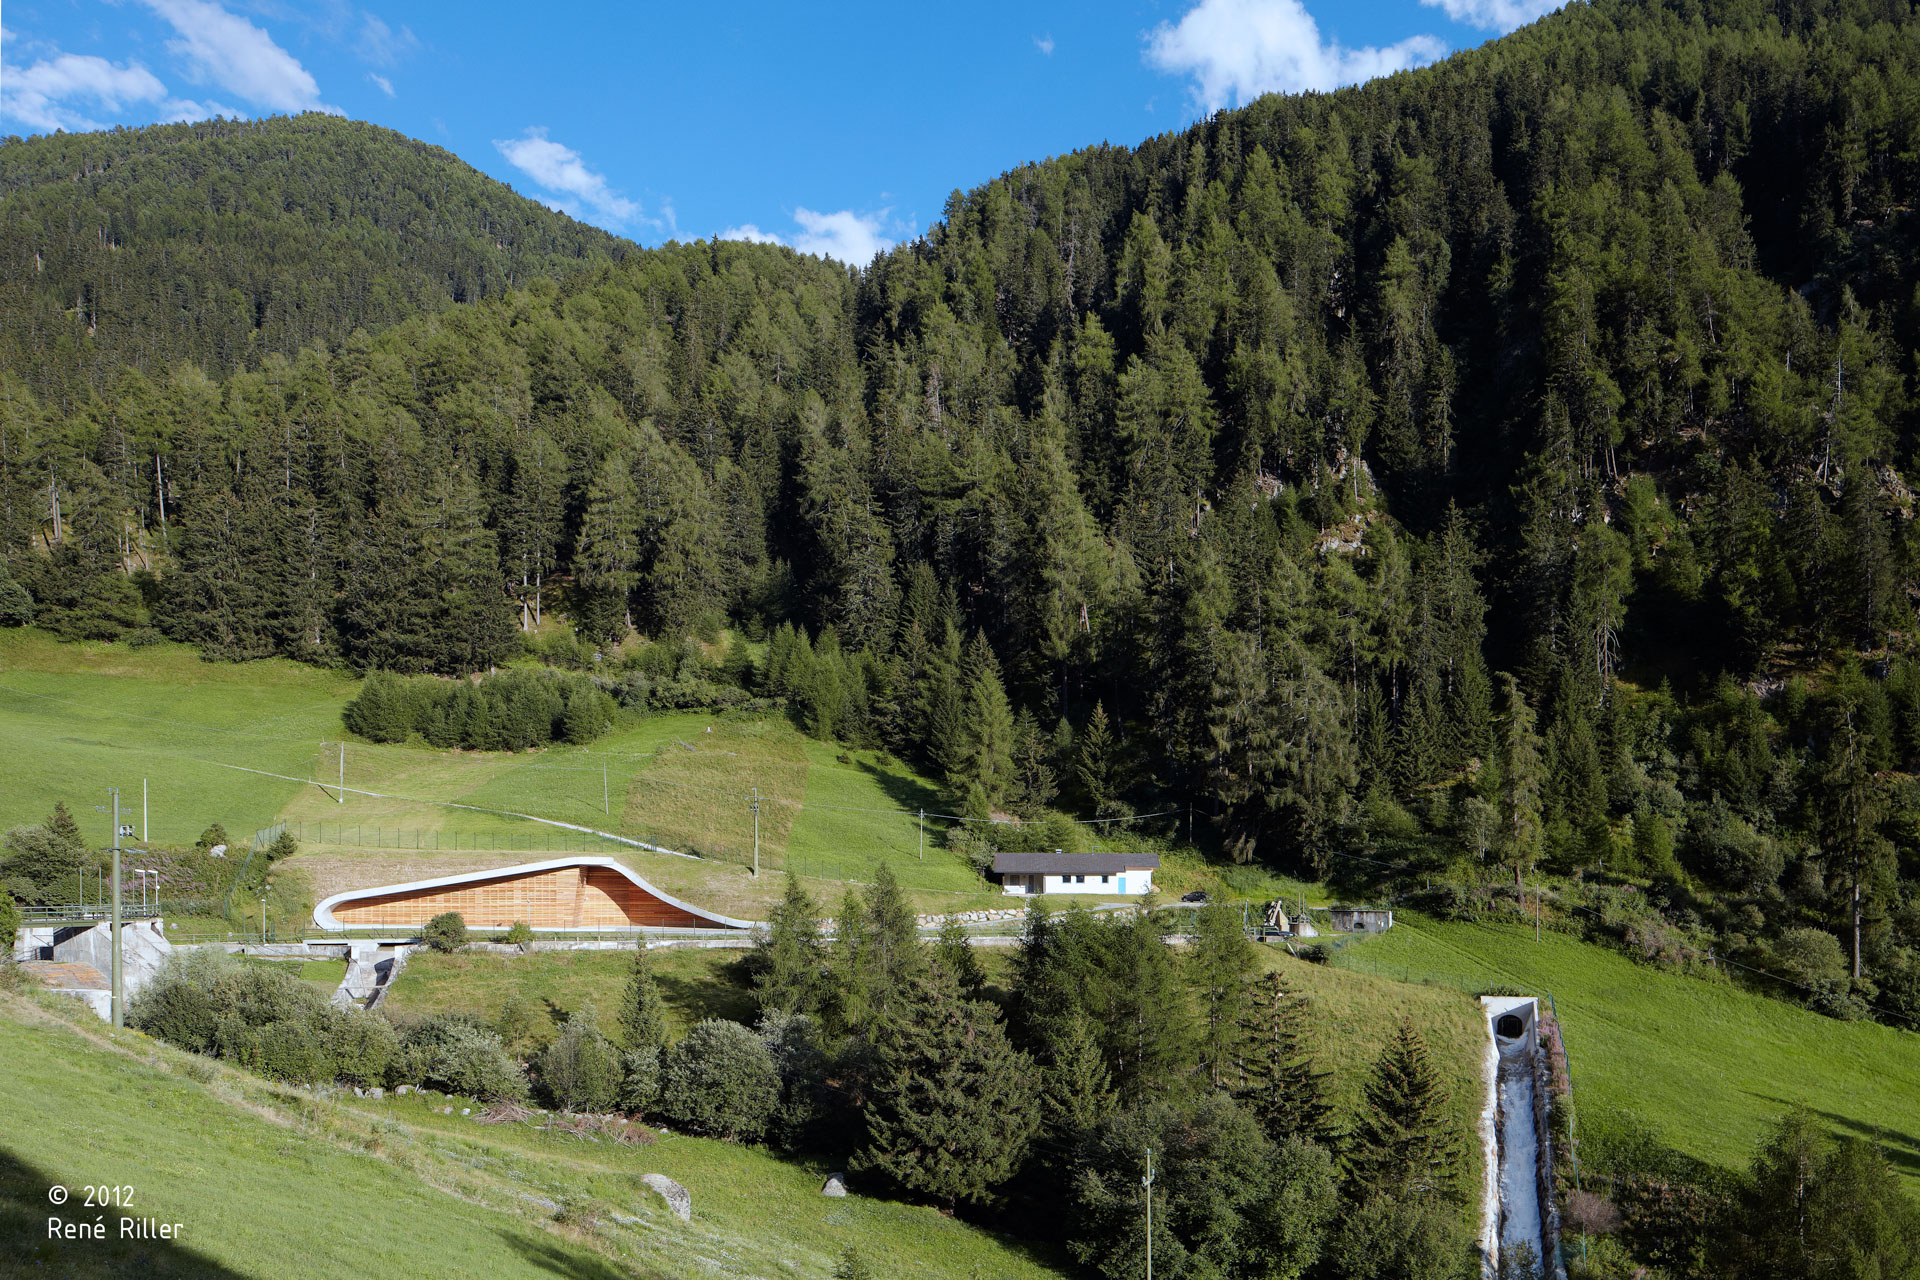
1517	1193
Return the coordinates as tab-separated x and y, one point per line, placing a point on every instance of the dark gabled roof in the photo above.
1080	864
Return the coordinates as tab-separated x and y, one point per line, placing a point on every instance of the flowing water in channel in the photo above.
1519	1150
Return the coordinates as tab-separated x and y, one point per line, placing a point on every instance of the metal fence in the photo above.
359	835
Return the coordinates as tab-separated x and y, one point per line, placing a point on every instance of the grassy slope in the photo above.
78	718
274	1183
1354	1014
696	983
1704	1067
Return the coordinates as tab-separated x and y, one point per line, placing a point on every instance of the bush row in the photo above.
505	711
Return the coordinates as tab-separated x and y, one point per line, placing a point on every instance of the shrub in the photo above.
261	1017
16	606
519	935
519	1024
721	1081
640	1085
9	923
458	1055
582	1071
446	932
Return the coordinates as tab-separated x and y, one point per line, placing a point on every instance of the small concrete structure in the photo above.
1360	919
678	1198
77	960
1517	1206
1114	874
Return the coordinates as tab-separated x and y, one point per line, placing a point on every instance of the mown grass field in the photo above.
78	718
1700	1068
278	1183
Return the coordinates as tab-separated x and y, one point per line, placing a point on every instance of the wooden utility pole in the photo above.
756	833
119	983
923	835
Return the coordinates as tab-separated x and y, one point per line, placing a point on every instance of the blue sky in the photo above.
838	129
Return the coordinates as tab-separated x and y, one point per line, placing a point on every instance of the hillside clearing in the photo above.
1702	1068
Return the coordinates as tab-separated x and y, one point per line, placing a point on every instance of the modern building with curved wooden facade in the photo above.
566	893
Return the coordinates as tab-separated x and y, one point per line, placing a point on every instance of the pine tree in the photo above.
1404	1145
943	710
952	1110
954	953
1219	967
1520	768
1076	1090
1097	767
879	951
988	732
1277	1081
790	960
643	1013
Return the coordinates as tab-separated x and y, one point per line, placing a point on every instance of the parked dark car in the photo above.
1198	895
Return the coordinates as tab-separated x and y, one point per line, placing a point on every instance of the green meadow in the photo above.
277	1182
1695	1067
255	743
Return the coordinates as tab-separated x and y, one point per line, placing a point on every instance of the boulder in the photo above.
678	1198
836	1185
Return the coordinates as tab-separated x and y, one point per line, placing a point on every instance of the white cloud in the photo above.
42	96
381	82
846	236
1044	44
227	50
1236	50
561	170
381	45
1494	15
185	110
751	234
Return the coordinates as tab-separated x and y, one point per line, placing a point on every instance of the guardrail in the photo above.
93	911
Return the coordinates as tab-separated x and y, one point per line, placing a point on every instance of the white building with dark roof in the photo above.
1112	874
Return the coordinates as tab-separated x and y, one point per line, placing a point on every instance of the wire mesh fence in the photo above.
358	835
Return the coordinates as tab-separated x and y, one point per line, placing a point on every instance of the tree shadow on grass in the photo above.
909	794
550	1256
716	994
25	1209
1902	1149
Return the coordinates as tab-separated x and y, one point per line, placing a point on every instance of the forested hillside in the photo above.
226	241
1498	466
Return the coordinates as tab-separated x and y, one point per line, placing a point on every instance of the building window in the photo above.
1104	879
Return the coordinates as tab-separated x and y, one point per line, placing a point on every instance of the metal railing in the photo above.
87	911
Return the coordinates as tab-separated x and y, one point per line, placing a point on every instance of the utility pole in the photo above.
756	833
1147	1182
143	799
923	835
340	792
119	985
606	800
1536	913
263	919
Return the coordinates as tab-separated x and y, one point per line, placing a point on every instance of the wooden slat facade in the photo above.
559	898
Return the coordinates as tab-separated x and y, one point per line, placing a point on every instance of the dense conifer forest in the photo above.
229	240
1493	469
